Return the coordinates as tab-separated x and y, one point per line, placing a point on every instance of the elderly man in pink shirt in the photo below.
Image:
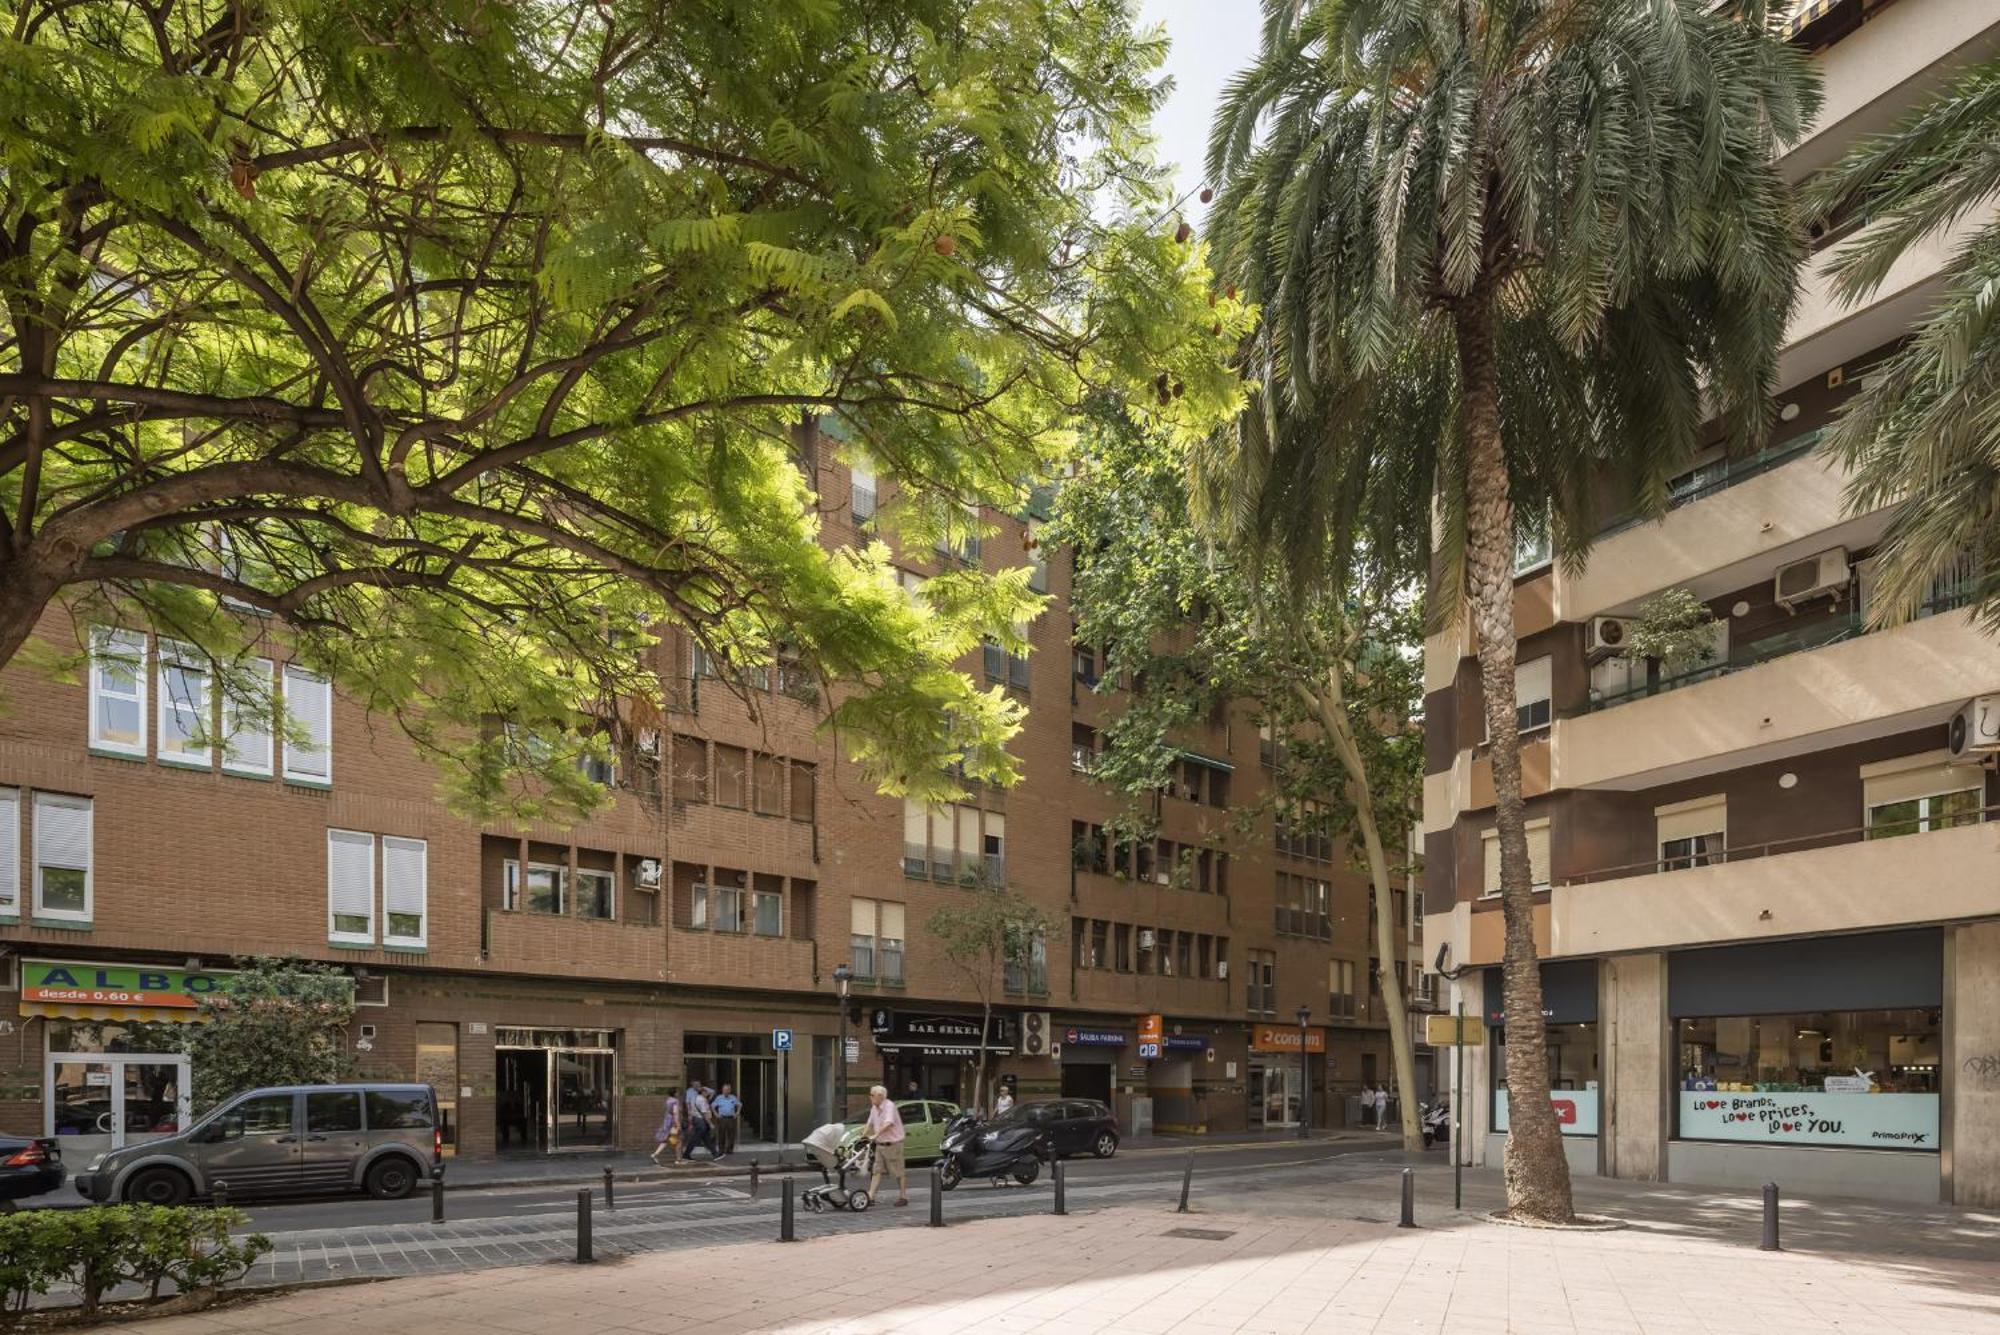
885	1128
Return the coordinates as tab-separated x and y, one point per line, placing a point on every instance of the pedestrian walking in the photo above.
667	1139
727	1108
1382	1108
698	1118
885	1128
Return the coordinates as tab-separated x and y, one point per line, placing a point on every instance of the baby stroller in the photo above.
824	1148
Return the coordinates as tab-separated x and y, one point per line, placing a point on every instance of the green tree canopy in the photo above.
462	347
280	1022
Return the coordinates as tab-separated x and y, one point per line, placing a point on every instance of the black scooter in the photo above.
971	1148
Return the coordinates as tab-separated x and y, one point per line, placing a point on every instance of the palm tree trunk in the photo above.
1537	1175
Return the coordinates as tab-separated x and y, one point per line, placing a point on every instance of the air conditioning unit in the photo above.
649	742
1222	968
1975	729
1035	1034
1815	577
649	873
1606	636
1146	938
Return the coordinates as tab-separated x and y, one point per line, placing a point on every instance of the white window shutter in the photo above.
404	888
246	721
118	691
350	884
62	840
10	850
309	709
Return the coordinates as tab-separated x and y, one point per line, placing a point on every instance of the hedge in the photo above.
94	1250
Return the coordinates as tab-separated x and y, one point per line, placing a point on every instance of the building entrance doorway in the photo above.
1274	1093
747	1065
556	1090
97	1101
1087	1082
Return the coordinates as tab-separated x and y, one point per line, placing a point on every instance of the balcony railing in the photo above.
1709	479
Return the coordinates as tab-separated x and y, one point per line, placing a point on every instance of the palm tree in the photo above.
1509	253
1925	434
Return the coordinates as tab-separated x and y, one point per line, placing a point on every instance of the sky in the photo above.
1212	40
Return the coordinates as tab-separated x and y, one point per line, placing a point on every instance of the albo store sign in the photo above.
73	983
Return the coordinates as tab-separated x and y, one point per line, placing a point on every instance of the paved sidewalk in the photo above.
1147	1270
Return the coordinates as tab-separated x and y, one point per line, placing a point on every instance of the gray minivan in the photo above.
284	1141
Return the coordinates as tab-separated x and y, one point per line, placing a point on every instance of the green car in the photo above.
923	1128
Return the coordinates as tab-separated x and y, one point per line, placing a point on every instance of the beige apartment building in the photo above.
1768	887
555	983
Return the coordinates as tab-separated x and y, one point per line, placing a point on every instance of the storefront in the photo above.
1278	1076
1575	1059
748	1065
1817	1063
555	1089
938	1054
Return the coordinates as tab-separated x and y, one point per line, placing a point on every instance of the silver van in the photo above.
285	1141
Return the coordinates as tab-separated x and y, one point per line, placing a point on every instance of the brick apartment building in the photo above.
554	984
1770	885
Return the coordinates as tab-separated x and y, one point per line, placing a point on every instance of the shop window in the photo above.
350	887
1865	1079
118	691
1692	834
690	769
803	797
545	889
731	776
1533	689
1919	795
63	857
1538	857
1573	1077
596	893
248	698
405	890
309	727
181	688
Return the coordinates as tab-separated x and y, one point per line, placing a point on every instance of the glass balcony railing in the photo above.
1706	481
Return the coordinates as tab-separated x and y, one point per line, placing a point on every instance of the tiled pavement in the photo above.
1125	1269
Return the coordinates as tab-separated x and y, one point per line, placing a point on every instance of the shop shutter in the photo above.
10	850
309	710
1685	820
350	882
404	886
246	720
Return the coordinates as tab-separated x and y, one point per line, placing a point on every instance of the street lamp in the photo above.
1305	1077
842	976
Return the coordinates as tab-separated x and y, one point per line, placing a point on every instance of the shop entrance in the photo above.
100	1101
556	1090
935	1079
747	1065
1087	1082
1274	1093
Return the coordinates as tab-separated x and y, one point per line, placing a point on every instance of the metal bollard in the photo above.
937	1199
1187	1181
1061	1208
1770	1243
437	1200
753	1179
610	1200
1409	1219
787	1229
583	1253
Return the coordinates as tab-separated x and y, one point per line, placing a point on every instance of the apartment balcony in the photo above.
568	946
1150	903
1836	882
1808	688
1149	994
703	832
740	959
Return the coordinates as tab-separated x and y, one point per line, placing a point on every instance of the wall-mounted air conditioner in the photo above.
1975	729
1606	636
1222	968
1146	938
1815	577
648	743
649	873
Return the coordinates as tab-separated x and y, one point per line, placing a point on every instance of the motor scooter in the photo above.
1009	1150
1435	1121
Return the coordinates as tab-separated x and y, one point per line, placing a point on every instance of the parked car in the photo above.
923	1128
381	1138
29	1166
1074	1126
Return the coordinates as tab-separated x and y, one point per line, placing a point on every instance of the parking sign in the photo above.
781	1040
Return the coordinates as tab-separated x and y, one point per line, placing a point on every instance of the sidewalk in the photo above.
1148	1270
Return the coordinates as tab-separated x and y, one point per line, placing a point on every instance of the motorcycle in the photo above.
1435	1121
972	1148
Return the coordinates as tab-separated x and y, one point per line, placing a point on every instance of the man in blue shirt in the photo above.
726	1106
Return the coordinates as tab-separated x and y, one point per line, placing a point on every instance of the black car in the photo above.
1073	1126
29	1166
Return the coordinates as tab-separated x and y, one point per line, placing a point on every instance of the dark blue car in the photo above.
29	1166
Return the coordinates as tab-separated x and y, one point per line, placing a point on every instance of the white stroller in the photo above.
824	1148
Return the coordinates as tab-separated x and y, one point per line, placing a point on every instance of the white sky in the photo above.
1212	40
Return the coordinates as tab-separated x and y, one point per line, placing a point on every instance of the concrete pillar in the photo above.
1632	1026
1971	1067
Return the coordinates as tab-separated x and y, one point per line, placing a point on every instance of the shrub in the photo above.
96	1249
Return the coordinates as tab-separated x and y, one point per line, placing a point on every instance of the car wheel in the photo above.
391	1179
158	1186
1026	1176
949	1173
1106	1145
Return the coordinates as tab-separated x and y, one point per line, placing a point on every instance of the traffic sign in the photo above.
781	1040
1450	1031
1149	1050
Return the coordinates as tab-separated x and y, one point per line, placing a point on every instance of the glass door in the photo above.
1280	1096
581	1102
104	1101
80	1108
152	1098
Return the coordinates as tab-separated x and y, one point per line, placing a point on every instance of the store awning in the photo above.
1211	761
50	1010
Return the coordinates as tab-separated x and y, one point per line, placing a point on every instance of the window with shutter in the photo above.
890	935
350	887
730	777
690	769
62	857
180	684
405	886
769	775
916	838
118	691
941	843
861	937
309	739
1538	857
803	775
247	704
10	852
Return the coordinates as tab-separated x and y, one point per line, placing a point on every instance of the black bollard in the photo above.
787	1229
610	1201
1187	1181
753	1179
1409	1219
583	1254
937	1198
1061	1208
1770	1243
220	1196
437	1200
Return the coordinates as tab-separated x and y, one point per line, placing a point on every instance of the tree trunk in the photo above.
979	1067
24	596
1331	708
1537	1175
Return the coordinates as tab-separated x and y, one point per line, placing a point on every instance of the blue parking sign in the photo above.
781	1040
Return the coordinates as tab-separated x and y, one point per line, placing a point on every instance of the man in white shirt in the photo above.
885	1128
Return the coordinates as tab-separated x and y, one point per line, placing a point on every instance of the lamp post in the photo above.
842	976
1305	1077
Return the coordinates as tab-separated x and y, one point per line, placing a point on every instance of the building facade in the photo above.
554	984
1768	886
